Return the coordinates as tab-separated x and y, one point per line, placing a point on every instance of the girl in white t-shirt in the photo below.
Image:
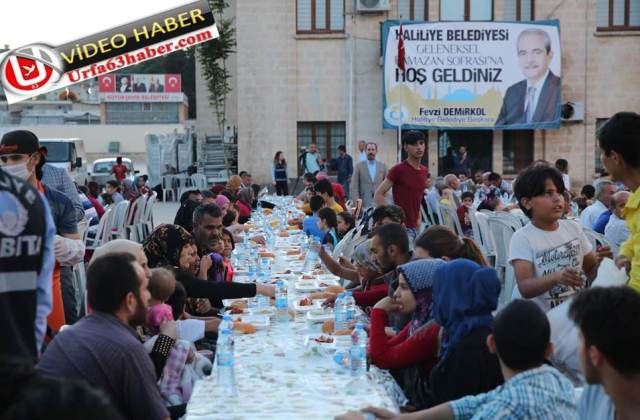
552	258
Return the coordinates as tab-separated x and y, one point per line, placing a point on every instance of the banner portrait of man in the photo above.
534	99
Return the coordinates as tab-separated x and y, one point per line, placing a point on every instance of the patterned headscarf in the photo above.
420	277
221	200
464	295
362	256
164	245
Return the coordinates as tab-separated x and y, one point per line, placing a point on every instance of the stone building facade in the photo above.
292	83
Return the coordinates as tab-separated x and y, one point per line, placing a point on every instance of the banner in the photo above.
472	75
39	68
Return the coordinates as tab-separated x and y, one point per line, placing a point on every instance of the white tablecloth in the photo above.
279	378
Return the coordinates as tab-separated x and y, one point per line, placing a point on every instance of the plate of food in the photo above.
320	315
323	284
242	303
305	304
268	311
258	322
323	341
306	286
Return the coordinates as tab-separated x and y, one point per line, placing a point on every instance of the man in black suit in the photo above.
537	98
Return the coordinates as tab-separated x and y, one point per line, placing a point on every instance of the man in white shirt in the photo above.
312	159
362	151
604	192
616	230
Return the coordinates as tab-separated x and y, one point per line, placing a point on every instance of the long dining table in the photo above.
281	371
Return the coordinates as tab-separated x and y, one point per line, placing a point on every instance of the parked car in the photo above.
68	154
101	170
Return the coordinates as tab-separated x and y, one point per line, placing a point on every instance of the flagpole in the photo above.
401	66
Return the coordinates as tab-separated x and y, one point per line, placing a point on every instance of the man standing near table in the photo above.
344	166
409	180
368	174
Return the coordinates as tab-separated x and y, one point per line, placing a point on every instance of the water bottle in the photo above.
282	301
310	260
358	351
340	313
264	270
259	207
252	270
224	357
350	307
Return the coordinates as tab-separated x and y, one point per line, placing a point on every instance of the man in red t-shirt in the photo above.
119	169
409	180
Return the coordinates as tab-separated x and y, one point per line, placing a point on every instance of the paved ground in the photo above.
164	212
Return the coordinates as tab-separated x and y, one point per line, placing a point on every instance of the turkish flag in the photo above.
107	83
401	49
172	83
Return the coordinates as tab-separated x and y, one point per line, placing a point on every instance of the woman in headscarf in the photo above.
234	184
245	198
464	296
413	351
172	246
223	202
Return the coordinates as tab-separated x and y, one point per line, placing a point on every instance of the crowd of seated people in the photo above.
434	304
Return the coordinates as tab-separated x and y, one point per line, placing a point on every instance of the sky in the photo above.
55	23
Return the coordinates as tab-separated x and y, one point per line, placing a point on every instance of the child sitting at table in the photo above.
310	223
161	286
328	222
463	212
229	246
346	222
552	258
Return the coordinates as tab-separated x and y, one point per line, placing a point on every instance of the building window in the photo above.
319	16
413	9
456	10
326	135
599	167
618	15
518	10
517	150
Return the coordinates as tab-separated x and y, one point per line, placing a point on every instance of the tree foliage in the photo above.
213	58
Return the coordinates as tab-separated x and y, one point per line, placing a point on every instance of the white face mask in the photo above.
19	170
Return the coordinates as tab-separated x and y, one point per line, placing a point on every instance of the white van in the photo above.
68	154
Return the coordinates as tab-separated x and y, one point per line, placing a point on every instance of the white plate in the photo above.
268	311
228	302
323	284
260	322
315	304
329	278
310	342
306	286
236	316
319	315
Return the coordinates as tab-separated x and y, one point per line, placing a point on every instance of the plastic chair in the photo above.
502	230
99	233
168	188
146	222
119	223
487	240
450	218
199	181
